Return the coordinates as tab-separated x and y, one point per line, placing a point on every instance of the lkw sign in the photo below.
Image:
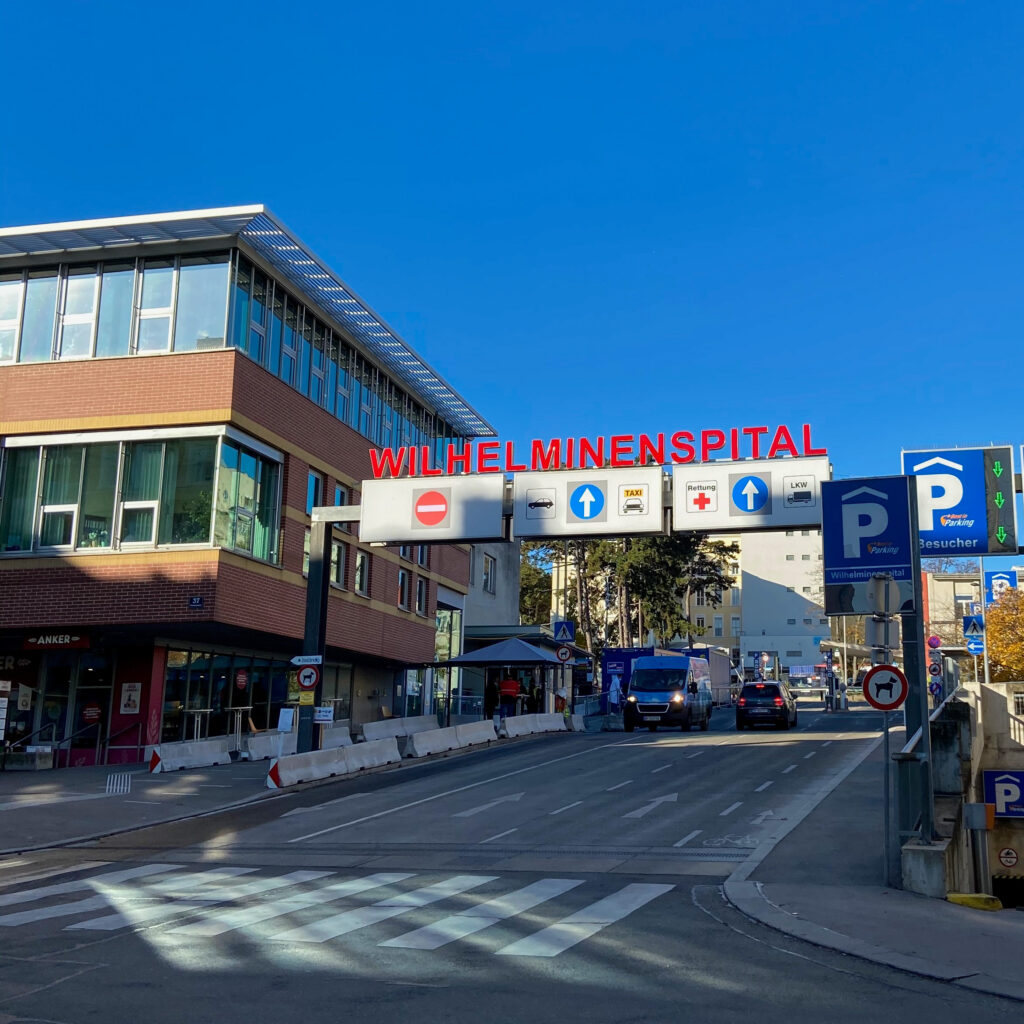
965	500
866	532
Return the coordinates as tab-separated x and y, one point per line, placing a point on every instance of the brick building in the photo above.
176	392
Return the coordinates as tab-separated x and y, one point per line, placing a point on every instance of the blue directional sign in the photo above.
866	531
1005	789
565	632
975	647
586	502
998	582
974	625
750	494
965	500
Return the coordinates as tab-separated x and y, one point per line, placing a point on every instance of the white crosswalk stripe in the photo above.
187	905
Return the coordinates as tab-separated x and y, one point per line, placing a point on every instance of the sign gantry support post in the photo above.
314	639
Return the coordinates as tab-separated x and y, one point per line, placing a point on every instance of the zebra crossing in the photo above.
305	907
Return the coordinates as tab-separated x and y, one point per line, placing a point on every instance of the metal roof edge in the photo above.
143	218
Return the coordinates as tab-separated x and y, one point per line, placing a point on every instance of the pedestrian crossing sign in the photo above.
565	632
974	625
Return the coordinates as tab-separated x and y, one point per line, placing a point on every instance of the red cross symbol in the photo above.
702	501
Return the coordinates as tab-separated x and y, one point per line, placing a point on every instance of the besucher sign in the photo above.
617	451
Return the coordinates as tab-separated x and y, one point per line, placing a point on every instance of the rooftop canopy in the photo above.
286	255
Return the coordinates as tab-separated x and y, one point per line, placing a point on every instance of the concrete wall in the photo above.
372	689
1004	731
500	607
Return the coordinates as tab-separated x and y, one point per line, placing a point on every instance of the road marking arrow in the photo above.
486	807
749	493
760	819
641	811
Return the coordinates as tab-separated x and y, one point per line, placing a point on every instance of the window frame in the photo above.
363	558
404	589
488	583
422	596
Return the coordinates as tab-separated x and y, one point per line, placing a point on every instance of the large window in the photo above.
117	493
247	517
489	574
361	582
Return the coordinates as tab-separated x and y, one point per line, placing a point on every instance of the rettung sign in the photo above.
618	450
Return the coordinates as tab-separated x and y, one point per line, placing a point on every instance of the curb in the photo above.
749	899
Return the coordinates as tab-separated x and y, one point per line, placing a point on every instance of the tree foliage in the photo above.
534	592
1004	635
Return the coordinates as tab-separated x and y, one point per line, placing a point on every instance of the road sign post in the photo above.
314	639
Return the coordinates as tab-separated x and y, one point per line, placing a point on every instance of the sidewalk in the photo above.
823	883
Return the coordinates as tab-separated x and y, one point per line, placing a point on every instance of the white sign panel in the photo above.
756	495
420	509
577	503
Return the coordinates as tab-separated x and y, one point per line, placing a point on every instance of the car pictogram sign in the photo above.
885	687
430	508
308	677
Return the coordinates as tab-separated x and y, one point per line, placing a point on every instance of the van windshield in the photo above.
651	680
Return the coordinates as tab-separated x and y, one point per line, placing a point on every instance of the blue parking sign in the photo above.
866	532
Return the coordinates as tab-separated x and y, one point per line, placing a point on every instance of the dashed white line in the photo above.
619	786
827	743
663	768
731	808
696	753
786	771
566	807
762	787
811	754
693	835
491	839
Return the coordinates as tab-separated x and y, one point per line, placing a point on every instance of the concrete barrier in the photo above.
519	725
261	745
550	723
432	741
473	733
577	723
384	729
295	768
169	757
338	736
420	723
372	754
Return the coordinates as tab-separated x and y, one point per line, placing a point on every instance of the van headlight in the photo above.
631	699
677	698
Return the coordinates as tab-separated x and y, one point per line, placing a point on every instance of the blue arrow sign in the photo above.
975	647
750	494
586	501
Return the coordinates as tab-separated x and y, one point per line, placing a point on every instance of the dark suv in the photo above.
768	703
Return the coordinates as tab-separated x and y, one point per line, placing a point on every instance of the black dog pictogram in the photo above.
879	687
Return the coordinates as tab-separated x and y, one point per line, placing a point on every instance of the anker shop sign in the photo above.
54	641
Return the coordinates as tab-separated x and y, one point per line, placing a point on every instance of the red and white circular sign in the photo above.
1008	857
430	508
563	654
885	687
309	676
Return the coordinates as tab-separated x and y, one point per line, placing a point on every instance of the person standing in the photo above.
490	699
508	694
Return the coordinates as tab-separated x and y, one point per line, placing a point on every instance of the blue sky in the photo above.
592	218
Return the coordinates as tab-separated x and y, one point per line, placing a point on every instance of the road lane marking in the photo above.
566	807
450	792
828	743
693	835
216	922
619	786
507	832
40	875
762	787
811	754
731	808
786	771
663	768
458	926
511	798
641	811
27	895
363	917
574	929
696	753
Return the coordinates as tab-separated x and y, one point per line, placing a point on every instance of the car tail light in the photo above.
778	702
743	702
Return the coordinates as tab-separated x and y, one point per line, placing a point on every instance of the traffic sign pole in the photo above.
314	639
984	618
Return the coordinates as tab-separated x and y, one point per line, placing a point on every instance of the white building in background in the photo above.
776	604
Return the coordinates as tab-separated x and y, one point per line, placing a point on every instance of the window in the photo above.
473	556
735	596
790	622
805	533
699	596
789	533
362	576
339	559
790	590
62	472
488	581
805	558
794	654
78	317
422	591
341	498
423	555
718	628
10	314
822	622
734	626
199	318
405	551
699	622
314	491
117	293
248	502
37	322
156	306
806	590
808	622
789	558
1018	704
403	589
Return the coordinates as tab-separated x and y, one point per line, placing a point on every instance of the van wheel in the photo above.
706	724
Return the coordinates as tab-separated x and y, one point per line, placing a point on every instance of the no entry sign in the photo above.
430	508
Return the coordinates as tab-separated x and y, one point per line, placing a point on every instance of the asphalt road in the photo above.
569	877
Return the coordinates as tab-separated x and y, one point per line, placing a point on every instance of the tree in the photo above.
534	593
1004	634
950	564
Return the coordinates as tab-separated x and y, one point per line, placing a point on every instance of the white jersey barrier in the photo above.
551	723
338	736
432	741
576	723
169	757
324	764
261	745
529	725
472	733
399	727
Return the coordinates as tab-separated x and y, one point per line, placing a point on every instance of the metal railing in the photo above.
108	746
591	704
24	741
914	791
